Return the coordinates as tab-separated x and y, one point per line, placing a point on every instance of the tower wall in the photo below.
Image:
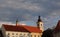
40	24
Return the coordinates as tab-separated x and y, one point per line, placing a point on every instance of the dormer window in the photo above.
8	33
12	33
41	24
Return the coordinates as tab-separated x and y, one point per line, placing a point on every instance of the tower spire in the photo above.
40	24
39	19
17	22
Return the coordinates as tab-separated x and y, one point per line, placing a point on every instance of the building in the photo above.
23	30
56	30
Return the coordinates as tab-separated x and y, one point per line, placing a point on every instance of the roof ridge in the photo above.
22	28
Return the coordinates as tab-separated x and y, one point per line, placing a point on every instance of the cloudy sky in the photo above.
27	11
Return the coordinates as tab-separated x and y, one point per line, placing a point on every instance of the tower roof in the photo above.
16	22
57	27
39	19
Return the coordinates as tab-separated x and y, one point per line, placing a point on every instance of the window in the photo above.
38	35
20	34
12	33
16	33
35	36
7	36
8	33
31	35
28	34
24	34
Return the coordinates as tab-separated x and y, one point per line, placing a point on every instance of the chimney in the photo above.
17	22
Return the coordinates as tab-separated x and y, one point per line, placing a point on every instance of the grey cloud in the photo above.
20	4
28	10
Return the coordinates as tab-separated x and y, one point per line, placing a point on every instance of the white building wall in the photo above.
16	34
19	34
36	34
41	26
22	34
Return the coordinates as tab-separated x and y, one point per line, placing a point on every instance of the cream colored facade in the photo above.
16	34
23	34
19	34
36	34
41	26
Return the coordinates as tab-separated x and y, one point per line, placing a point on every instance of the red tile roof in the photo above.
15	28
32	29
57	27
22	28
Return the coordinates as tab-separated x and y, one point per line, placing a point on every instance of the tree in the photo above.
1	35
48	33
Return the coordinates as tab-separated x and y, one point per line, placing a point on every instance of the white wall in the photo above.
16	34
36	34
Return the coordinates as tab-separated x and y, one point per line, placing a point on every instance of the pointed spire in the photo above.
58	24
39	19
16	22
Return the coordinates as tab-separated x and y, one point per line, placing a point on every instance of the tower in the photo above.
40	24
17	22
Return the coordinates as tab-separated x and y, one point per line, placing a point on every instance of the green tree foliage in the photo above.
1	35
48	33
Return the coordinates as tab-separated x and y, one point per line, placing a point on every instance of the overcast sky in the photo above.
27	11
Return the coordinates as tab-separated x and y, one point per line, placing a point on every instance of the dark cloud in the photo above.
28	10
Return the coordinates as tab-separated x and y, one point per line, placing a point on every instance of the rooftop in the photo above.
22	28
